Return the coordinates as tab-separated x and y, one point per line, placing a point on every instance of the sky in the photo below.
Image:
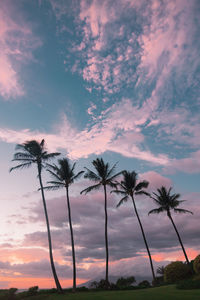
117	79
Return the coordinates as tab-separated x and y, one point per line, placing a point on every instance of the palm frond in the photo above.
24	159
184	211
54	175
141	185
21	166
142	193
49	156
21	155
110	172
78	175
124	199
56	183
112	184
91	188
114	176
156	210
120	192
52	187
91	175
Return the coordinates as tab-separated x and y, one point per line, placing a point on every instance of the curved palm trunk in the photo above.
58	286
106	235
72	241
145	241
179	238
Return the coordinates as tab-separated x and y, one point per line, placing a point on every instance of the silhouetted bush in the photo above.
144	284
124	282
176	271
189	284
196	264
159	280
8	294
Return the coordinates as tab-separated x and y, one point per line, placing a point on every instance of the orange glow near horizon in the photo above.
176	255
42	283
9	278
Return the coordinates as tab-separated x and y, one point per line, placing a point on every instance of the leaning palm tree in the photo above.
33	152
64	176
129	187
167	202
104	176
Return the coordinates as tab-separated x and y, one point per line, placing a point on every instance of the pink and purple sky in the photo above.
112	78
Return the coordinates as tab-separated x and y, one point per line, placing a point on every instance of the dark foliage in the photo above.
124	282
188	284
176	271
196	264
144	284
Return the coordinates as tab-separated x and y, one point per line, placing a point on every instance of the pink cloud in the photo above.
189	164
15	50
118	129
156	180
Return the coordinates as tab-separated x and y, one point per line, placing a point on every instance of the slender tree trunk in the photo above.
179	238
145	241
72	241
58	286
106	235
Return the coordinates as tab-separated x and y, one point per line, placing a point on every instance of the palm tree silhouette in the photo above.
33	152
167	202
129	187
64	176
104	176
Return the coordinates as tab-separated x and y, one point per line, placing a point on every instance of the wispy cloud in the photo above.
17	42
117	129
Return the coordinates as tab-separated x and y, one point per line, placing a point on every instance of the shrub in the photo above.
33	290
159	280
196	264
125	282
189	284
93	285
144	284
176	271
9	294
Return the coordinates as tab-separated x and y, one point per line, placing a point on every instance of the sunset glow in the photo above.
117	79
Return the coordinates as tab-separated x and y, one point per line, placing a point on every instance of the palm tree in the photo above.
64	176
167	202
129	187
33	152
104	176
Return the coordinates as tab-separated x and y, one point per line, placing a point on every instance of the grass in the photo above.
160	293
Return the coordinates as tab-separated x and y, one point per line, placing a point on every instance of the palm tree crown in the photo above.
63	174
130	187
104	175
167	201
32	152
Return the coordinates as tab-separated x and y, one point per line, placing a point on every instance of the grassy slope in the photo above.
161	293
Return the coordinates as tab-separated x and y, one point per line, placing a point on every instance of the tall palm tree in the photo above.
104	177
129	187
33	152
167	202
64	176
